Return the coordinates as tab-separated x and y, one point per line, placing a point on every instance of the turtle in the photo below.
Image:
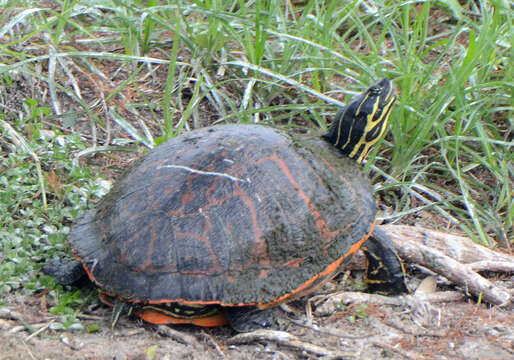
221	224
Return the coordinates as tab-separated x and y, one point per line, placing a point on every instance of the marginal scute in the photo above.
233	214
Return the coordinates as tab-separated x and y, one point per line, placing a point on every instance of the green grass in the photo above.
80	79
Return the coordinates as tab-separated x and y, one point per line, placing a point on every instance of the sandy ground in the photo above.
459	330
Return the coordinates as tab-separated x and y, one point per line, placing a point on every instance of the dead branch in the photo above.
332	303
40	330
177	335
283	338
490	265
214	344
459	248
411	329
437	251
459	274
132	332
405	354
28	351
70	343
329	331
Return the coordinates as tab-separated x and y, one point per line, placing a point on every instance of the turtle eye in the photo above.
375	90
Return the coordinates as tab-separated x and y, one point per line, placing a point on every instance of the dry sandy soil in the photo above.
458	330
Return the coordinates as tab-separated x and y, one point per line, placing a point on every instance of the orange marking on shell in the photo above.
321	224
264	273
260	248
318	279
187	197
149	252
294	263
328	164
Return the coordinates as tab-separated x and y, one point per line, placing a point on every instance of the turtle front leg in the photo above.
385	272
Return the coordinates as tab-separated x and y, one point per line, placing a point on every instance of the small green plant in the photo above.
68	303
359	312
93	328
33	231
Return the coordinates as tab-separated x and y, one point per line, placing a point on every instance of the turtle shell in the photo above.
231	215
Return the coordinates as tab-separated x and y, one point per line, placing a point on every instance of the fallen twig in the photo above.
28	350
411	330
41	329
330	331
18	328
89	317
330	304
459	248
9	314
133	332
403	353
214	344
286	339
427	248
436	297
177	335
490	265
70	343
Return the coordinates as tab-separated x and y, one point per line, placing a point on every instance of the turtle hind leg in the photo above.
249	318
66	271
385	272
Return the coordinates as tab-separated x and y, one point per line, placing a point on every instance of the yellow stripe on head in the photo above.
363	121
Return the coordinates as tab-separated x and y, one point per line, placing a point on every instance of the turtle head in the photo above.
363	121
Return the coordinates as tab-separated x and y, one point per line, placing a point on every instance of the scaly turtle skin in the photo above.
224	222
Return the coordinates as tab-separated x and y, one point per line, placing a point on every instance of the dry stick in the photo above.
89	317
37	332
14	315
69	343
330	331
282	338
330	304
406	354
28	350
133	332
411	244
436	297
459	248
177	335
460	275
399	325
491	265
214	344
